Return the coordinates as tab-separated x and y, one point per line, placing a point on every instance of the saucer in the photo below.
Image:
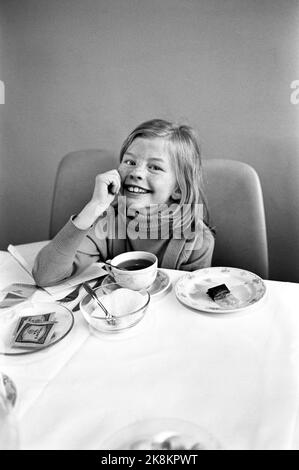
158	288
64	321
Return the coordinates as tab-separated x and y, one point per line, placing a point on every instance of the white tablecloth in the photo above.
237	375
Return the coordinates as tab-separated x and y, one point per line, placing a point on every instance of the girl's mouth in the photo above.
136	189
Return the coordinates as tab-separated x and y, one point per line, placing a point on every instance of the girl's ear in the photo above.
176	194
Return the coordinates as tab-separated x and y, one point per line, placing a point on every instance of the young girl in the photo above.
153	202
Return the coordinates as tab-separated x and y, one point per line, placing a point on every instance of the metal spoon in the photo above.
109	316
116	267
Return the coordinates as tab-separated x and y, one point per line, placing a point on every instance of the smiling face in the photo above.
147	173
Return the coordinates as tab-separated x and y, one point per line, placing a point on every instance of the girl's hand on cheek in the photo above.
107	185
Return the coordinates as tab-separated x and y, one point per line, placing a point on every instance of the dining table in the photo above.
234	375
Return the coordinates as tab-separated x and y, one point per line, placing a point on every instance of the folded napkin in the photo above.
26	254
17	283
12	272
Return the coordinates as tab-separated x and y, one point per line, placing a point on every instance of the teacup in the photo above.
138	269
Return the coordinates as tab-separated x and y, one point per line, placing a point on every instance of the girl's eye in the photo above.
128	161
155	167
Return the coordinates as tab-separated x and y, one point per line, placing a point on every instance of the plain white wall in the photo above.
83	74
3	226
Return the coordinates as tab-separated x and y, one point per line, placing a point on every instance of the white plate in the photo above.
247	287
159	286
9	319
162	434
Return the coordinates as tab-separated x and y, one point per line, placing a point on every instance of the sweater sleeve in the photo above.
70	251
198	252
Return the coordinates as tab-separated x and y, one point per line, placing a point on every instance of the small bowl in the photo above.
127	306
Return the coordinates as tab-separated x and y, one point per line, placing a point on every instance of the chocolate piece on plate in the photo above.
218	292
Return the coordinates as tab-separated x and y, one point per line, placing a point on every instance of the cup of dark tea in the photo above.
137	269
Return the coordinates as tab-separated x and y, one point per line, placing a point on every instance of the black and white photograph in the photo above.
149	228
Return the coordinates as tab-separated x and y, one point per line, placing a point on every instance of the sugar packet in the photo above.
45	317
33	335
34	331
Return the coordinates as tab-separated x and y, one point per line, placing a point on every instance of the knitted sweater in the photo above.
72	249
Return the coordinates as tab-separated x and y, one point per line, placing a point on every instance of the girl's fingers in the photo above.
111	179
115	184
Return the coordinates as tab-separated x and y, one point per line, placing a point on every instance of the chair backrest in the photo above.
234	196
236	207
75	181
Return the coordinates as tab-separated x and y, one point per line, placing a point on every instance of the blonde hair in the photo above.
184	151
